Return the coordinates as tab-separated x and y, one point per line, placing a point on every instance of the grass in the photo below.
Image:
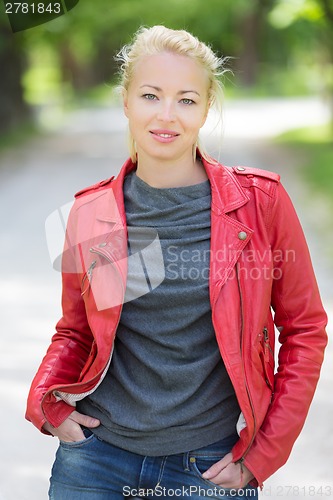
315	144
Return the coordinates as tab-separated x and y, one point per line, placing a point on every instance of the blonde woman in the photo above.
160	379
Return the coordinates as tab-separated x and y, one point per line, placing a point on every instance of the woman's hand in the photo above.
228	474
70	430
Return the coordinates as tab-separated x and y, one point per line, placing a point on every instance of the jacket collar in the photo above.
114	209
227	193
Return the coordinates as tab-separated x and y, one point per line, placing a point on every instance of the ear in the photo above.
125	102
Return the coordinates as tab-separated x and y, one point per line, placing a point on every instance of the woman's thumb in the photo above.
85	420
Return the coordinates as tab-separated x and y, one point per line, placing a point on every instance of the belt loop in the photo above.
186	457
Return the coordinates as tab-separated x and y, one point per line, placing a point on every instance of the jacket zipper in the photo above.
267	352
91	268
105	256
266	342
89	276
93	264
241	460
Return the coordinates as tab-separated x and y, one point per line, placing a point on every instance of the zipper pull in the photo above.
90	270
266	344
89	276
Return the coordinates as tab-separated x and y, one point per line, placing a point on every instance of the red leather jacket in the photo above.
260	268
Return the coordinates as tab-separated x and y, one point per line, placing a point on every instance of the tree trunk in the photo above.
13	110
250	34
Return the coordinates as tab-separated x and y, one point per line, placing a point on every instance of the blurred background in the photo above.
62	128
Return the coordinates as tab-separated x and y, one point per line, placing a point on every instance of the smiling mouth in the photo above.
164	135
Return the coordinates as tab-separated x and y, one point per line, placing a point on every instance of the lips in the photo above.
163	135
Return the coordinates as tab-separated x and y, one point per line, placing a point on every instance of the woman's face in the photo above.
166	105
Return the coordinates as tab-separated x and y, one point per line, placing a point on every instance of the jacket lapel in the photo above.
228	236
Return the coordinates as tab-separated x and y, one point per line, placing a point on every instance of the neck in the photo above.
161	174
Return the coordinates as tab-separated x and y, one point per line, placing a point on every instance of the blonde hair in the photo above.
158	39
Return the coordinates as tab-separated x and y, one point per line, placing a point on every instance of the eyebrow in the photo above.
181	92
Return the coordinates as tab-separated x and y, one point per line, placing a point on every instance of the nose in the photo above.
166	112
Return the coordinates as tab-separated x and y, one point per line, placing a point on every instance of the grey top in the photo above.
167	390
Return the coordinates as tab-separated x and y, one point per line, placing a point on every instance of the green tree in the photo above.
13	109
316	17
263	38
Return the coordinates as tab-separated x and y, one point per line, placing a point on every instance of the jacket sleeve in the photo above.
69	348
301	321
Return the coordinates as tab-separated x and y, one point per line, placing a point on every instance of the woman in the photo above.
160	379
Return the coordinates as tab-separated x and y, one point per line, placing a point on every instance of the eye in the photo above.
187	101
149	97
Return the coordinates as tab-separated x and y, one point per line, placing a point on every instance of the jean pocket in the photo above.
89	436
200	464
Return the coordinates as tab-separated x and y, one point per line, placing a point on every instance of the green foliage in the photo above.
82	43
287	12
315	145
292	51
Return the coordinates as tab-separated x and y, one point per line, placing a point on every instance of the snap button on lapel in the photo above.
241	169
242	235
101	245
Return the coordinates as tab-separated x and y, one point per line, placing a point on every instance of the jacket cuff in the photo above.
56	412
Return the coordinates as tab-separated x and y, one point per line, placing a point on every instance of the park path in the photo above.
42	175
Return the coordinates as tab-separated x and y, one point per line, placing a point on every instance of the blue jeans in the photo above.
95	470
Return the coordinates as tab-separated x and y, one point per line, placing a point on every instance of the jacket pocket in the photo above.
266	355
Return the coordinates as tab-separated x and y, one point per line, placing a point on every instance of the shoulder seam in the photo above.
95	187
250	171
